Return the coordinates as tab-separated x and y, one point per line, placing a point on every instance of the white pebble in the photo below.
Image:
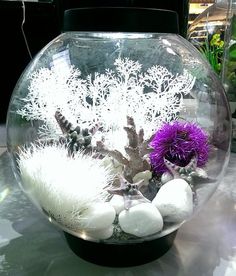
117	202
166	176
174	200
100	234
141	220
97	216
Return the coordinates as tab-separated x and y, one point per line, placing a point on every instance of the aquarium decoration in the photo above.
113	159
179	142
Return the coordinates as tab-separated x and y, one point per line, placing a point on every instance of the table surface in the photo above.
30	245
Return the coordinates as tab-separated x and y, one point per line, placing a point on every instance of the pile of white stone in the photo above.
173	204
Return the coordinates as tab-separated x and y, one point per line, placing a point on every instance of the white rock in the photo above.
97	216
174	200
100	234
141	220
166	176
117	202
145	176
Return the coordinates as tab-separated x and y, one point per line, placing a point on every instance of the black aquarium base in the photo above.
120	255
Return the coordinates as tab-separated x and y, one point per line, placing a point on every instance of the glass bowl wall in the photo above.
118	137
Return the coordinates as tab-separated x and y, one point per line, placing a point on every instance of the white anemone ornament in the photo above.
119	139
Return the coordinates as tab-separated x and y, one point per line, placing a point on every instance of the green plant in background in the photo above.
213	49
229	74
230	63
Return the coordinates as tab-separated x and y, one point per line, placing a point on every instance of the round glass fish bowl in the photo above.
119	138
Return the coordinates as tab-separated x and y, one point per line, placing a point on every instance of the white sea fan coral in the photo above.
50	90
63	186
150	97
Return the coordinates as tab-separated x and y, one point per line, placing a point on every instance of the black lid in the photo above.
120	19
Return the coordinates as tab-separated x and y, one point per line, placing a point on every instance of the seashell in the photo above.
145	176
64	124
76	137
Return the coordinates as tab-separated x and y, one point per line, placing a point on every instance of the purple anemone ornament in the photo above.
179	142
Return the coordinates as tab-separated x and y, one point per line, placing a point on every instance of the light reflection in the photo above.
170	51
4	194
120	35
83	235
61	61
166	42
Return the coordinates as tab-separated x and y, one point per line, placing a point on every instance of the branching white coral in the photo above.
50	90
63	186
150	97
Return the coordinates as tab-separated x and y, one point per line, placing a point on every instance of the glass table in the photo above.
30	245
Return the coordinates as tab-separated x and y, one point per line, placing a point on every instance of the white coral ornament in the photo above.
150	97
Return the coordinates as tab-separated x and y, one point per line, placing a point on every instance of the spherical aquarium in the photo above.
119	138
